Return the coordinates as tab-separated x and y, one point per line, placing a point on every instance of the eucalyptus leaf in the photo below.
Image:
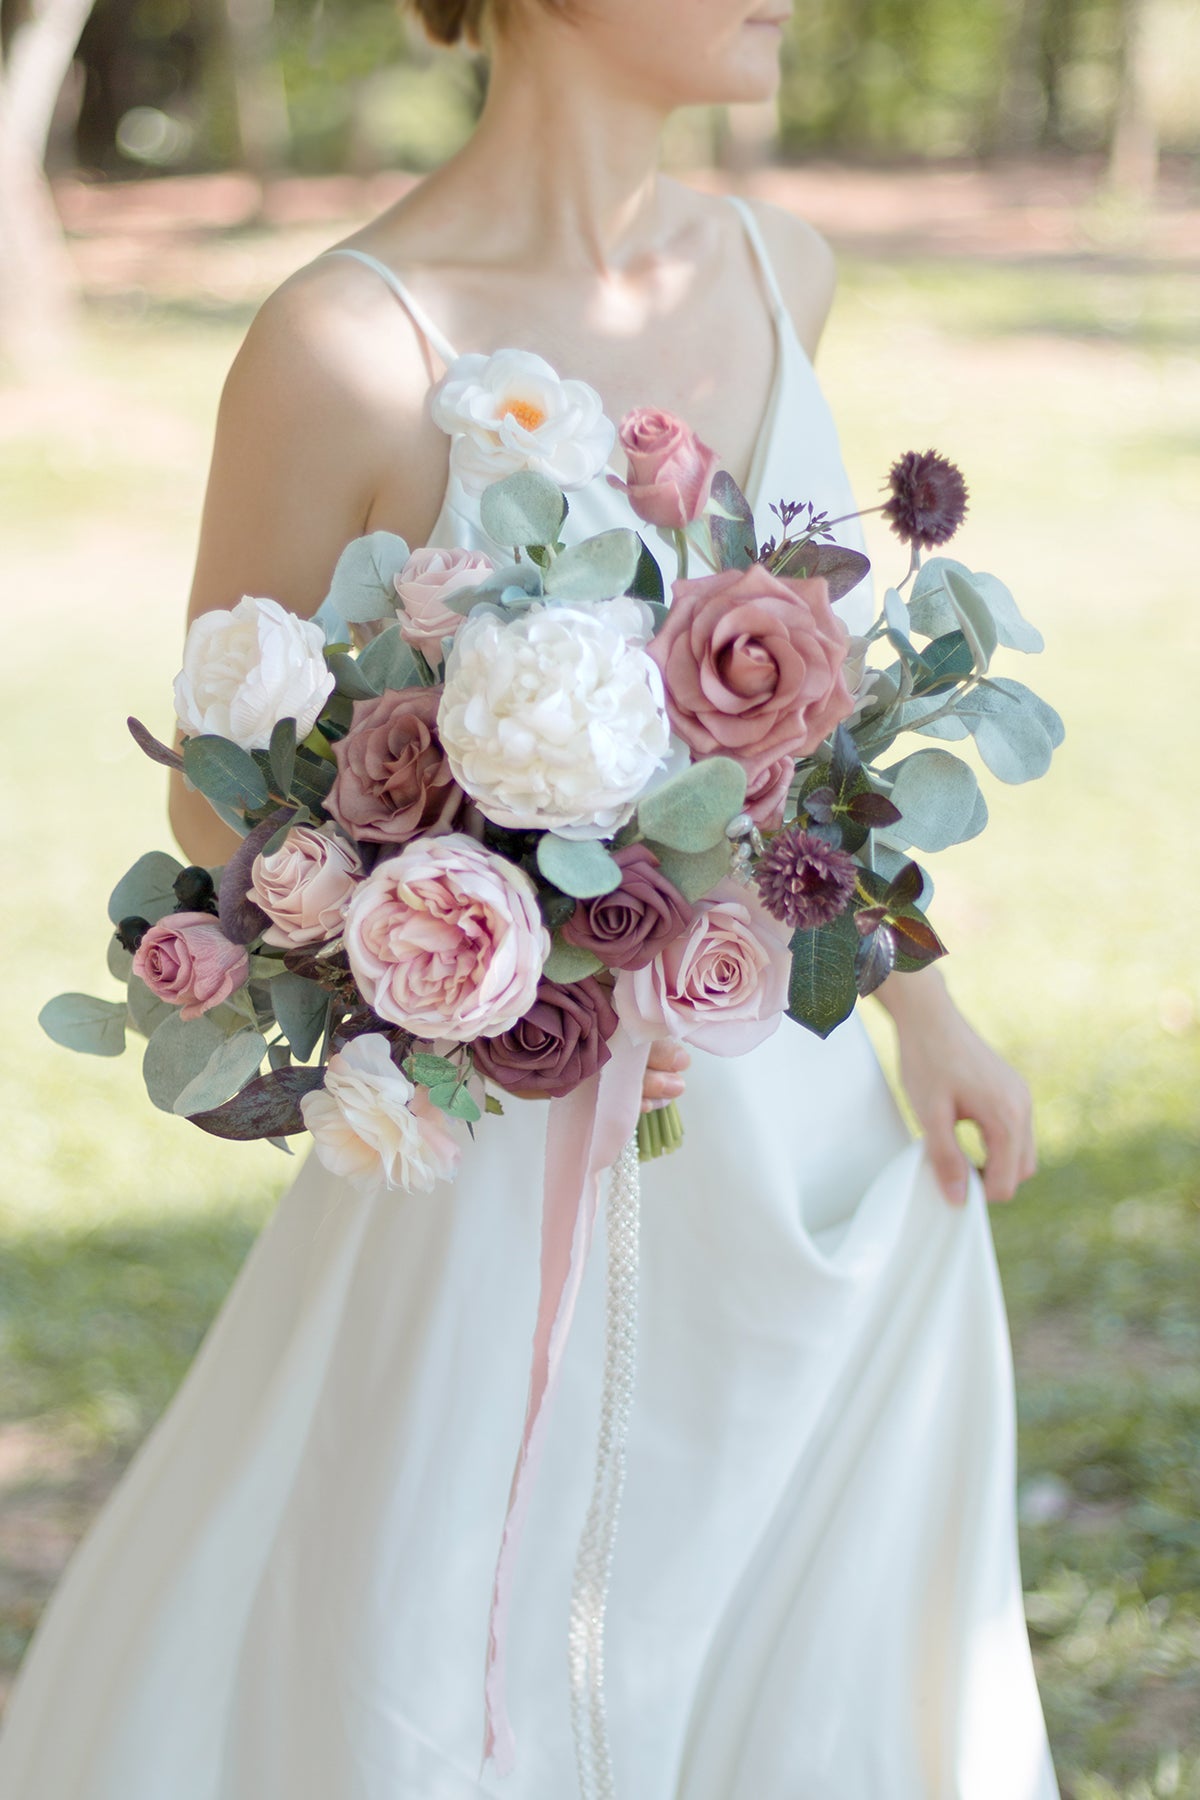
974	618
313	779
453	1098
146	1010
350	680
822	991
523	577
335	627
147	890
151	747
691	810
1012	629
896	612
567	962
177	1052
729	526
889	861
914	713
224	772
599	568
933	612
1012	740
301	1007
579	866
647	581
936	793
430	1070
232	1064
120	960
80	1022
946	660
389	662
525	508
282	754
362	587
1050	721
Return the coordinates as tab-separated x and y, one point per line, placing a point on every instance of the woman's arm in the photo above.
950	1073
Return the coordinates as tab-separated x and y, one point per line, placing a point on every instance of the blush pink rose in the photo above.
187	960
670	469
393	779
447	940
422	587
753	664
767	789
305	886
722	986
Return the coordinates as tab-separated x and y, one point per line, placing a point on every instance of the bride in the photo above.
816	1589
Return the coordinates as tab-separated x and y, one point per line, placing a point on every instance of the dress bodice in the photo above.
797	454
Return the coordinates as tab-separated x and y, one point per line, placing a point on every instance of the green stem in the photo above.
659	1132
681	551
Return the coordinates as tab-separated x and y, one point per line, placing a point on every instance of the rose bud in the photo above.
195	890
131	931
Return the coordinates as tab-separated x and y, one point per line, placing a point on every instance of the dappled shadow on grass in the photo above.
138	305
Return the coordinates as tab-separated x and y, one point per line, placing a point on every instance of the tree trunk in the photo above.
260	105
1134	148
38	283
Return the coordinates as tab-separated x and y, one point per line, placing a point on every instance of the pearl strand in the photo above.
593	1564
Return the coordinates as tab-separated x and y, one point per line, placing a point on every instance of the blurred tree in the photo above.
1134	151
256	80
38	283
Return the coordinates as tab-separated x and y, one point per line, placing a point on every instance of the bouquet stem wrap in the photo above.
586	1133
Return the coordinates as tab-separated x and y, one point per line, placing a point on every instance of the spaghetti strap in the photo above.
416	311
761	255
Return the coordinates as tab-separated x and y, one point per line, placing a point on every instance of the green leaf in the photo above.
691	810
430	1071
301	1007
313	779
232	1064
147	891
120	960
697	873
525	508
822	991
351	681
911	717
567	962
937	794
282	754
453	1098
362	586
729	529
579	866
1049	720
79	1022
224	772
492	1105
176	1054
647	583
947	659
933	612
146	1010
1012	629
599	568
389	662
1011	738
978	626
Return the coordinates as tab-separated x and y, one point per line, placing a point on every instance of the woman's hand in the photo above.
950	1073
664	1073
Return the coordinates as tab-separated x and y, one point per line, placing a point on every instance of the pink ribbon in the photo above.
586	1132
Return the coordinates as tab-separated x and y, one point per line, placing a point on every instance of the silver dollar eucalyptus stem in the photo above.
593	1563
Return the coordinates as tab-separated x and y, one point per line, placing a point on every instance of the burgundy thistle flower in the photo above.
928	498
805	882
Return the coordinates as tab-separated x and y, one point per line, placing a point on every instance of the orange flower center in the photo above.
526	414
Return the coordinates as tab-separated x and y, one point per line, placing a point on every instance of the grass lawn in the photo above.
1071	397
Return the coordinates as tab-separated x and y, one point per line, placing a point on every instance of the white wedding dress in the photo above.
816	1593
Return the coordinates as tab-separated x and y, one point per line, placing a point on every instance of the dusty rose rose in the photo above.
422	586
670	469
446	939
767	789
305	886
393	780
627	928
559	1042
722	986
187	959
752	664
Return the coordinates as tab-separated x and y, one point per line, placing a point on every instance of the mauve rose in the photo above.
305	886
446	939
187	959
393	780
627	928
752	664
722	986
422	586
766	790
670	469
559	1042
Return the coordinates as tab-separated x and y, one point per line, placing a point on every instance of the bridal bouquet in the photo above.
492	808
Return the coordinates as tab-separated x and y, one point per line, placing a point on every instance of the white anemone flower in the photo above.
511	411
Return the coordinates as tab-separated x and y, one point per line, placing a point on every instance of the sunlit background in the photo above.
1014	190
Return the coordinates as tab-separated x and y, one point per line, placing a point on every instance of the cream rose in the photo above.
422	587
447	939
246	669
511	411
372	1126
305	886
556	719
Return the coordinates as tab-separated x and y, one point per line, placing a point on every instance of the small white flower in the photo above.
246	669
510	411
555	720
371	1125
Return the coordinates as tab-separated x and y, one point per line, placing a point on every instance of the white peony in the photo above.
370	1124
510	411
246	669
555	720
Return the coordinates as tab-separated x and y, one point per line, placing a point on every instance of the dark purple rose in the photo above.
627	928
561	1041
